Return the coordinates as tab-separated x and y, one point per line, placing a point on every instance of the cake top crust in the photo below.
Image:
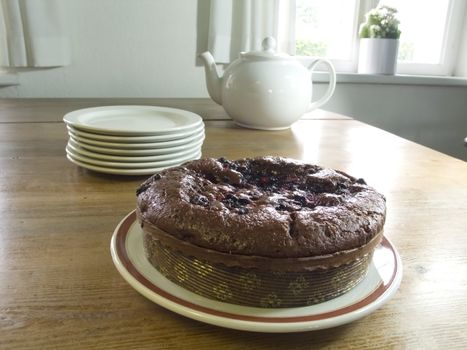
266	206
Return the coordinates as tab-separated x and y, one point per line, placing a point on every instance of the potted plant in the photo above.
379	41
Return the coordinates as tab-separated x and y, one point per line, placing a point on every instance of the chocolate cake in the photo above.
256	231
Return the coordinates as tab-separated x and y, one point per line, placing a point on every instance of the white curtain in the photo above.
241	25
32	34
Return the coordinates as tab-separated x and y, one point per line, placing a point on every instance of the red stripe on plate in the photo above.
122	233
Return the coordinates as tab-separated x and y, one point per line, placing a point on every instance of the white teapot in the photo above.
264	89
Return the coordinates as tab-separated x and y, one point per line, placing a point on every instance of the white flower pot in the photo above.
378	56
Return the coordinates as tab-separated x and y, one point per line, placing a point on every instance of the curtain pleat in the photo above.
32	34
241	25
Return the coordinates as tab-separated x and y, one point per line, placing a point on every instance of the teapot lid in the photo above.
267	53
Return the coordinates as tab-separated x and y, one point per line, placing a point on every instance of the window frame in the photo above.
343	66
449	53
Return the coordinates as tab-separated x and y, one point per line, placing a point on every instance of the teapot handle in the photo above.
331	87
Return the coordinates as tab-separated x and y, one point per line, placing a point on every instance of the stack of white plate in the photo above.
133	140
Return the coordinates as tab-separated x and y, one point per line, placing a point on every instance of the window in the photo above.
430	31
422	37
316	35
327	28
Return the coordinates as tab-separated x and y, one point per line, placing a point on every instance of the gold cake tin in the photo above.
253	286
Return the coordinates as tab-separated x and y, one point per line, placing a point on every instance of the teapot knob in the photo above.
269	44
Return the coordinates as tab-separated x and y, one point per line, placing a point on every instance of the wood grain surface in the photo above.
60	290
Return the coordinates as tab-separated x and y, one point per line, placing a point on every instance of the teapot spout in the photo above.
213	80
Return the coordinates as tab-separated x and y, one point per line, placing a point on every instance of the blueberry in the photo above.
281	207
300	199
244	201
242	210
199	200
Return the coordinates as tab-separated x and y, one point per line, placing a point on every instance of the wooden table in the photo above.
60	289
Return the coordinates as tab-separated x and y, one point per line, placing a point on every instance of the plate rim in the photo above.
366	305
136	139
121	171
139	152
71	118
139	145
132	165
125	159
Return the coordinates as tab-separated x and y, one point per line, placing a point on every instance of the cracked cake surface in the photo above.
267	206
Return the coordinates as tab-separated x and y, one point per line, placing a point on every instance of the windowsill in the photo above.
398	79
8	79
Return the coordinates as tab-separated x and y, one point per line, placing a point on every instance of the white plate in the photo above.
136	139
134	159
133	120
163	163
137	152
119	171
382	281
126	145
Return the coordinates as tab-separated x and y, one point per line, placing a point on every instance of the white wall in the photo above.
148	48
435	116
123	48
